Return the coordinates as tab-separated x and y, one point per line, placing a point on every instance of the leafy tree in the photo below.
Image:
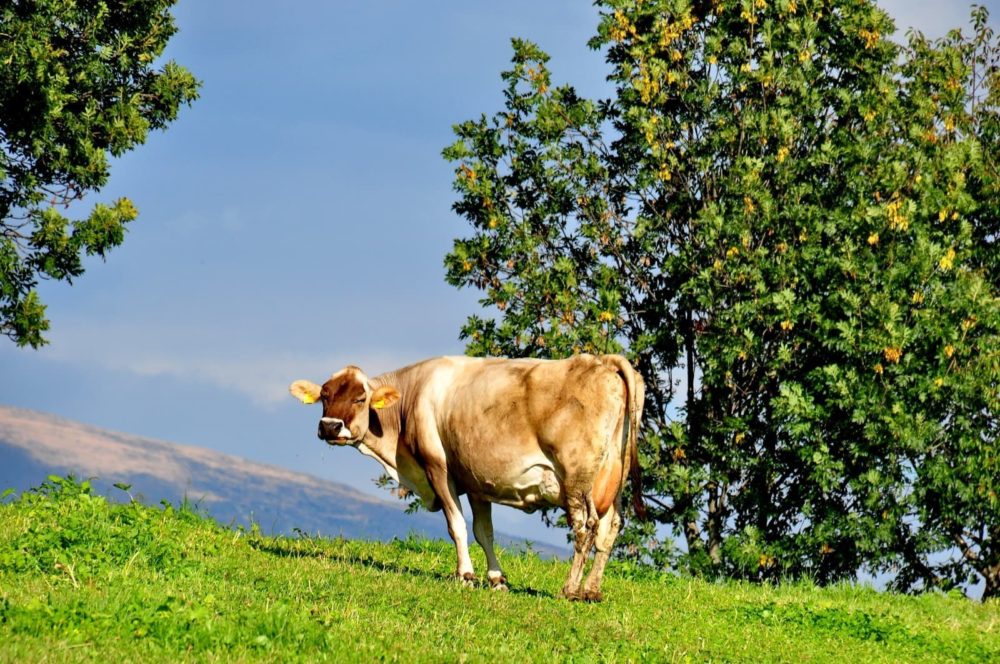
757	218
953	106
77	86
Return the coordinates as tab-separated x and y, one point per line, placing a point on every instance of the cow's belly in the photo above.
534	487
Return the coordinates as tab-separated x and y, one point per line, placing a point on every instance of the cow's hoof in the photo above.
590	595
572	594
468	579
498	582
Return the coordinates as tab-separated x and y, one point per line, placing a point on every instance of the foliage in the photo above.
789	223
77	86
105	589
75	533
955	89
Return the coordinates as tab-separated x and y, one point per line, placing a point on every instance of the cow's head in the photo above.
347	398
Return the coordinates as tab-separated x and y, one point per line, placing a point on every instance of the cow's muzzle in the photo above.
333	430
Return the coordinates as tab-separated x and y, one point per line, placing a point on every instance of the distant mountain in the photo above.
233	490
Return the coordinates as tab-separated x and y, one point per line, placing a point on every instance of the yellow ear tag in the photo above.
307	399
378	404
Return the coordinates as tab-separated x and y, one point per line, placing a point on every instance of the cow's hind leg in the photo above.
482	528
607	532
582	517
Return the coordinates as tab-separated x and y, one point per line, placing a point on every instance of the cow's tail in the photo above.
635	398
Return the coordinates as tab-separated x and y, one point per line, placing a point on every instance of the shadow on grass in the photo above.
371	562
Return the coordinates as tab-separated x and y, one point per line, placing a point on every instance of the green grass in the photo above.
85	579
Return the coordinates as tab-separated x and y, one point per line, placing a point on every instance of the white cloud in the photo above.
264	379
262	375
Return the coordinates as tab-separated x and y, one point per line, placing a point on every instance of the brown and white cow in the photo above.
526	433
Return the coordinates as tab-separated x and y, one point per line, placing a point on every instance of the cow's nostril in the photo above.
330	427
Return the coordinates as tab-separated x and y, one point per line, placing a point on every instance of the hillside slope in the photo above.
231	489
84	579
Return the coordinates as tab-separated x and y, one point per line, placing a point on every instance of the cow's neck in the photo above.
386	440
381	442
382	447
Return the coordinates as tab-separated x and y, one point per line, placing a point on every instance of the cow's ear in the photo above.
305	391
384	396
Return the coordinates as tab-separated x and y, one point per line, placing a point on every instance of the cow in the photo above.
527	433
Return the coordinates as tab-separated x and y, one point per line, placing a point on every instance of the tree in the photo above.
755	217
77	86
953	106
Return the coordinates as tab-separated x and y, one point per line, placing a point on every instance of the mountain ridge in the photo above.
233	490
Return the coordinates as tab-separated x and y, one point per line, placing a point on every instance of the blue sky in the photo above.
295	219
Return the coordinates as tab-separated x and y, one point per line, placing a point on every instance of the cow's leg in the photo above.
482	528
446	493
607	532
582	518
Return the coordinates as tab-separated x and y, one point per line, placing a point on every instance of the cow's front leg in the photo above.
437	473
482	528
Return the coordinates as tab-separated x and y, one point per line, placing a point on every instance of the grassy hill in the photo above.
82	578
231	489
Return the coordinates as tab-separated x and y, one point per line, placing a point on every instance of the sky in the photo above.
295	220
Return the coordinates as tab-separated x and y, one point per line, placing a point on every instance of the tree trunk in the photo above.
716	505
992	576
692	534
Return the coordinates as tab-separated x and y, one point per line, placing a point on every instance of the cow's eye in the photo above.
361	400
